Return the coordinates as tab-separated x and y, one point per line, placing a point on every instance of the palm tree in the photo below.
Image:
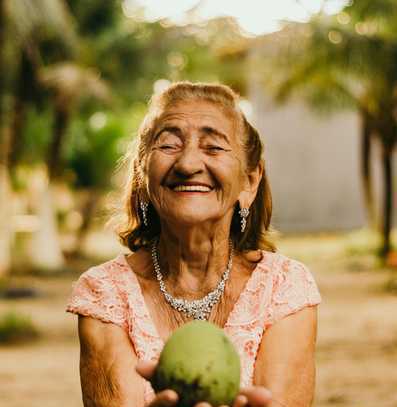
333	64
69	83
23	24
5	235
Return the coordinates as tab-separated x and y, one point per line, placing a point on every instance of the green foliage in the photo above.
97	144
16	328
390	286
127	55
361	242
36	135
331	61
94	16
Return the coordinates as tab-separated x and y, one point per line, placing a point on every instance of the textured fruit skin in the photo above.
201	364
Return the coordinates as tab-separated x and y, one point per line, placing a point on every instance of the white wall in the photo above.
314	166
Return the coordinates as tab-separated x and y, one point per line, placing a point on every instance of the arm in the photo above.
107	366
285	363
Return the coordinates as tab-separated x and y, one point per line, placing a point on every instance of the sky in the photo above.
255	17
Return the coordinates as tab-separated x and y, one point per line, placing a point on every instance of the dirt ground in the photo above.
357	338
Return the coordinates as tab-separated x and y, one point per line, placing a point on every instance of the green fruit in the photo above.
200	363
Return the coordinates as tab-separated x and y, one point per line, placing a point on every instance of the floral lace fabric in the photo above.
278	286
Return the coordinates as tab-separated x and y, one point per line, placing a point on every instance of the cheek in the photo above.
229	175
156	167
233	168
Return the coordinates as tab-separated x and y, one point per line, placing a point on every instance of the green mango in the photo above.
201	364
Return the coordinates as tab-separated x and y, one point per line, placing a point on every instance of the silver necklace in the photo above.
198	309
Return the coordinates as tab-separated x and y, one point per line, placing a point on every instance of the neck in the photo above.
192	262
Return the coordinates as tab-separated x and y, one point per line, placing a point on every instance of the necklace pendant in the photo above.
201	316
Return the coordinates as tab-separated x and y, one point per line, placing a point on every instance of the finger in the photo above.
202	404
146	368
165	398
240	401
257	396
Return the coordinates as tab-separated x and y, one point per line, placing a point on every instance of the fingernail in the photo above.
243	399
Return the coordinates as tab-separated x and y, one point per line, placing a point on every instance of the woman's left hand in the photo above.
253	396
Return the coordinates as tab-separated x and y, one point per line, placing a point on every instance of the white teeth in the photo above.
197	188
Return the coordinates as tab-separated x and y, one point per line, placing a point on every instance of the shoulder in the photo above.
282	266
291	284
103	281
109	271
100	292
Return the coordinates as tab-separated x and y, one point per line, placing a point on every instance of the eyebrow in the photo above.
208	130
211	131
172	129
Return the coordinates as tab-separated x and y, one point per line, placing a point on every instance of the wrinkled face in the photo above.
195	167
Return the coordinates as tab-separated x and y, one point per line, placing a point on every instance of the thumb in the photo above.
146	368
257	396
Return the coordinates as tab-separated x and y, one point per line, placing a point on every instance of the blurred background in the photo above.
318	78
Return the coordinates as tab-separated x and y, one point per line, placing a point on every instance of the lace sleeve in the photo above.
95	295
293	289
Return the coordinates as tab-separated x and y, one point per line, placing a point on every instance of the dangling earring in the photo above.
144	207
244	212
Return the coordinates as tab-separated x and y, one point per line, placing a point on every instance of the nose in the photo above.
189	161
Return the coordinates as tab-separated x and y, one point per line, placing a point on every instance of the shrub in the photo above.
16	328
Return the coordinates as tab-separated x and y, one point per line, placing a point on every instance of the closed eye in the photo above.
214	148
167	146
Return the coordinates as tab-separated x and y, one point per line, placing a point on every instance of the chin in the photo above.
190	219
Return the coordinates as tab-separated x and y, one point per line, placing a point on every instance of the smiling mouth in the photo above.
191	188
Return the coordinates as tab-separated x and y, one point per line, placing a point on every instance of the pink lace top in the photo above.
277	287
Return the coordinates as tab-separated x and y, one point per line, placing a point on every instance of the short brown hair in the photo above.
131	230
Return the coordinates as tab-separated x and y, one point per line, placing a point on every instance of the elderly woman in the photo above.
198	209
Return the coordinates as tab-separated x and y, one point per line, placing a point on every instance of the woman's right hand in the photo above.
254	396
165	398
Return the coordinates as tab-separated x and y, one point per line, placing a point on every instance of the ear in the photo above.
251	184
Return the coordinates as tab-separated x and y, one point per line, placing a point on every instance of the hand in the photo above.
253	396
165	398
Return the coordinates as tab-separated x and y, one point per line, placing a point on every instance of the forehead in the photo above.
197	113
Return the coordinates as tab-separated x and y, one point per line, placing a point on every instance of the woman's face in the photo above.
195	166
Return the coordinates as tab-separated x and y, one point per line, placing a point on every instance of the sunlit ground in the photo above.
357	340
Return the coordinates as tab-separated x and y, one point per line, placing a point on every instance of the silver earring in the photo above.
244	212
144	207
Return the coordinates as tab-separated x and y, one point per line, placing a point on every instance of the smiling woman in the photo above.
198	125
198	208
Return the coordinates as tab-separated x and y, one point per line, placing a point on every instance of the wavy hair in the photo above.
130	228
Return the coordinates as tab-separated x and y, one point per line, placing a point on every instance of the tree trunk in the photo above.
61	120
18	120
88	211
387	200
6	231
45	248
5	191
25	88
366	144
